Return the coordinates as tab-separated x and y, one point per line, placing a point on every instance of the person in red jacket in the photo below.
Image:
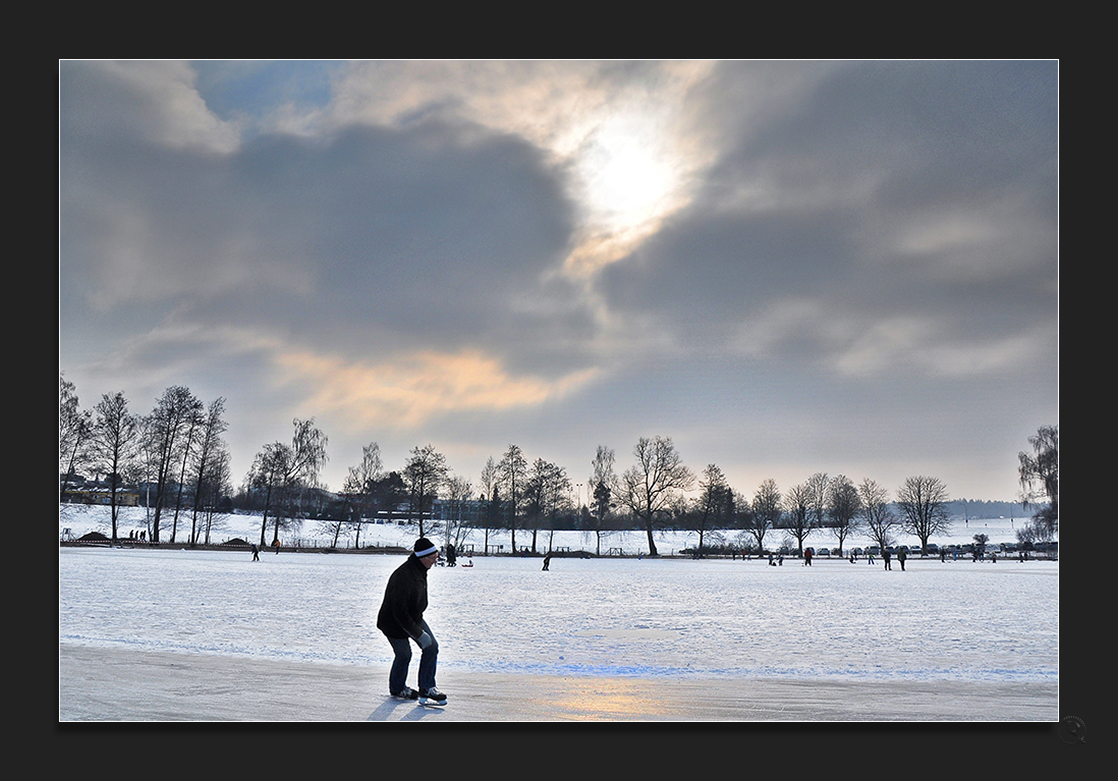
401	620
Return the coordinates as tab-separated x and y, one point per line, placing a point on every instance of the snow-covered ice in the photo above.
667	618
650	617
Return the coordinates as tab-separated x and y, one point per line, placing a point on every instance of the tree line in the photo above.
177	452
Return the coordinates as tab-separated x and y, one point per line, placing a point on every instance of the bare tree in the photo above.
280	470
265	477
715	503
512	471
547	492
491	502
192	425
649	488
1039	473
174	413
424	475
358	488
215	485
75	427
602	482
880	520
923	504
799	512
818	486
209	449
116	435
765	512
843	508
458	491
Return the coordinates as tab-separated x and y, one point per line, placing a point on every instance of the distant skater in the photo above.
807	557
901	557
401	620
547	562
255	552
885	558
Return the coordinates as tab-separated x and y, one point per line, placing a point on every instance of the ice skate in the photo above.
432	696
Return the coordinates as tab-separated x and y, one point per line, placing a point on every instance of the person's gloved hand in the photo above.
424	640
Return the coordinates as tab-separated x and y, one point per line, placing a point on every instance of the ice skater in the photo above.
901	558
547	562
401	620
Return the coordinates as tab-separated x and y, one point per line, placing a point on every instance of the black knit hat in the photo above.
424	547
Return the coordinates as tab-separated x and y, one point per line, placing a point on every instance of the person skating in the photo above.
401	620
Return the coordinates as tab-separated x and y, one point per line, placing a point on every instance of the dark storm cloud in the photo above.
370	238
407	231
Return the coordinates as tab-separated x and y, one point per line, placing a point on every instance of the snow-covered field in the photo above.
953	620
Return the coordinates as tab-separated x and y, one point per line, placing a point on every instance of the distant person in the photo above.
401	620
255	552
901	555
807	557
451	556
885	558
547	562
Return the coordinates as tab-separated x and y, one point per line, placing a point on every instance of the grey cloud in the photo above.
874	157
372	237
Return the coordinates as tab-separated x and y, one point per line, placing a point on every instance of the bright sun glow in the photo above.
628	179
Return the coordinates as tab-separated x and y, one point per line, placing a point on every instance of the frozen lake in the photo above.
648	618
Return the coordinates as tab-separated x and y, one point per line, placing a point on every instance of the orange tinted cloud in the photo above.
410	389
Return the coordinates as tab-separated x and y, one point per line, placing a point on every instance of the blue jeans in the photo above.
428	661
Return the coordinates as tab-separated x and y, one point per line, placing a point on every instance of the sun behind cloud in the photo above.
408	390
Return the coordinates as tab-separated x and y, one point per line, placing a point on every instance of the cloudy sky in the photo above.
785	267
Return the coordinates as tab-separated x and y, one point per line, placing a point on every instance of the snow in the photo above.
585	617
80	519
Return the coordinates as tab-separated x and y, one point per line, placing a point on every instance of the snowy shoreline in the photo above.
76	521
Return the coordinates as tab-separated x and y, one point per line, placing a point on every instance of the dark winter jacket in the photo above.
405	599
